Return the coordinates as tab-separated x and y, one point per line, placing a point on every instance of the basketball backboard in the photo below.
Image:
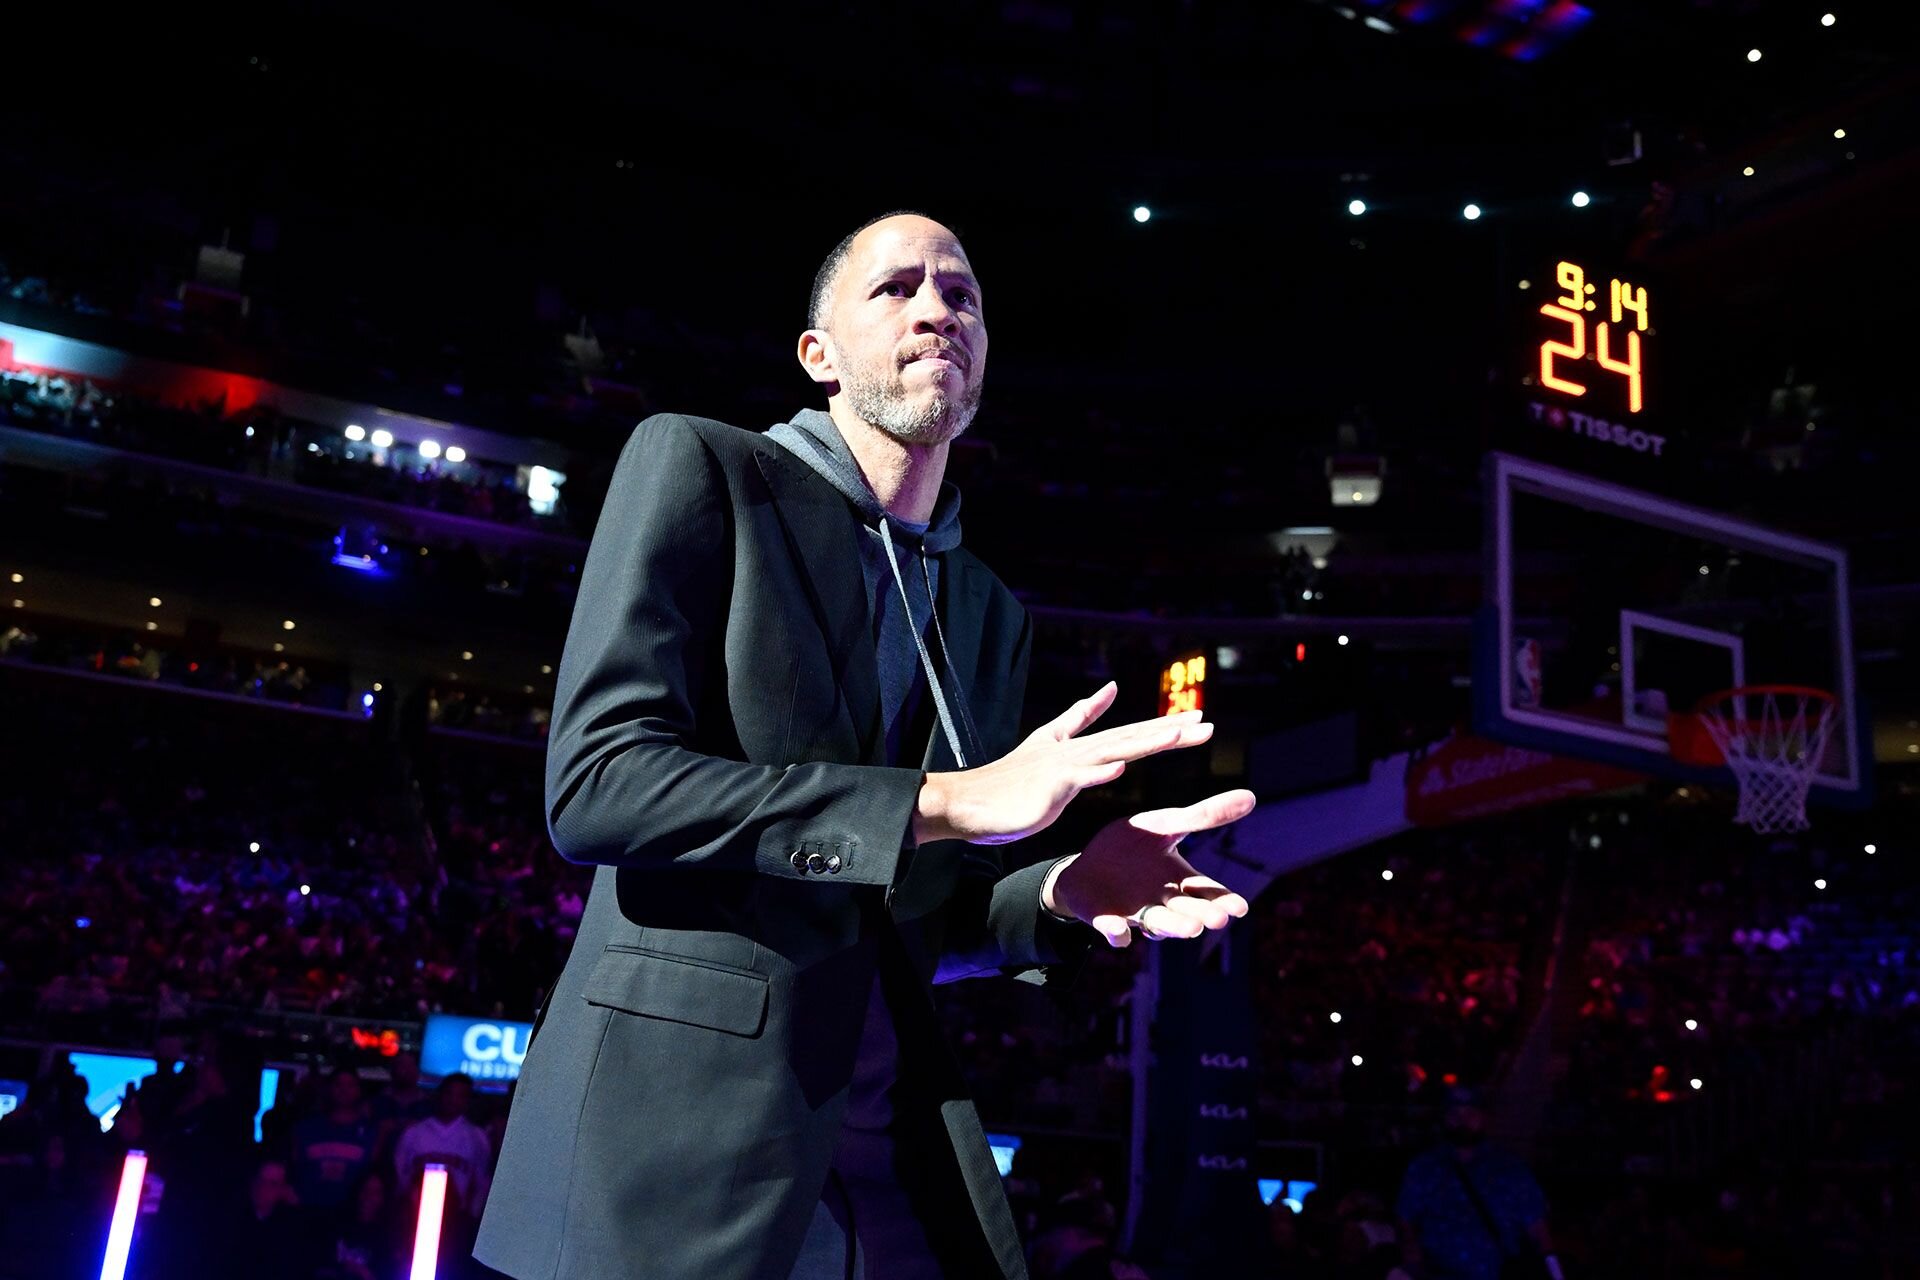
1607	608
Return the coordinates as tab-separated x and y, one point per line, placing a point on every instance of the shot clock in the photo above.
1576	319
1587	358
1182	682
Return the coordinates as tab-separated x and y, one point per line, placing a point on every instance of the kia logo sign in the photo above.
478	1047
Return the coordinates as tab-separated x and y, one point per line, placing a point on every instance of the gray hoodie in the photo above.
814	438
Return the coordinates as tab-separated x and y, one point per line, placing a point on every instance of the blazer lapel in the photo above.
820	533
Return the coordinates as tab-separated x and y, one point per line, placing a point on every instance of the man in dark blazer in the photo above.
786	732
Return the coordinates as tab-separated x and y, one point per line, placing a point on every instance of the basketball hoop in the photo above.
1772	736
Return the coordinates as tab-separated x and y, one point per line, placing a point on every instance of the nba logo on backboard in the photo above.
1526	673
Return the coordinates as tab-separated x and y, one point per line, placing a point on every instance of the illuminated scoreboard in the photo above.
1591	347
1182	685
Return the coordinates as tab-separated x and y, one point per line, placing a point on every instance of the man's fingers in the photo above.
1168	923
1114	929
1137	741
1208	889
1084	712
1209	913
1214	811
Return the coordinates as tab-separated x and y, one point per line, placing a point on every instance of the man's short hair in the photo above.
829	273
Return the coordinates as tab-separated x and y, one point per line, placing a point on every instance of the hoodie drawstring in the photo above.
926	661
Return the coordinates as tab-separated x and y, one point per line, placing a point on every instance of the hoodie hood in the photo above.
814	437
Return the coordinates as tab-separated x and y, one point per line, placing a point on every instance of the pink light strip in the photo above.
126	1209
426	1235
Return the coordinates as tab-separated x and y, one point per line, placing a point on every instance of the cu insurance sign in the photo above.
482	1048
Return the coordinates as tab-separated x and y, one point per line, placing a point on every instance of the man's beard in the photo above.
880	397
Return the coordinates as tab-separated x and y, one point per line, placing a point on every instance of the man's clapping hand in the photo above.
1025	790
1132	872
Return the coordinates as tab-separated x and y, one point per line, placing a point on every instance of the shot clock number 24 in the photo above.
1616	339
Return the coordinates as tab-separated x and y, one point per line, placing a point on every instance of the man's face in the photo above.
346	1090
454	1098
907	341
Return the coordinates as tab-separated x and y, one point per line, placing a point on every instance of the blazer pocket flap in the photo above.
658	986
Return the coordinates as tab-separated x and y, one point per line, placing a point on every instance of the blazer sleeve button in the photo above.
816	862
798	859
833	862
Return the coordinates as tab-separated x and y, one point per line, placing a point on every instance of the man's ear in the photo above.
816	356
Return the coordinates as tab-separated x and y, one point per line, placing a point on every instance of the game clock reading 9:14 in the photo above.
1182	685
1616	337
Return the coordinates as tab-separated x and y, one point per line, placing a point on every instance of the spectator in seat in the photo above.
331	1151
447	1137
1450	1193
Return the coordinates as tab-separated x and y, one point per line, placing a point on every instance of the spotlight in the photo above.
19	577
1471	213
1141	213
1581	199
456	454
1820	884
286	624
153	602
254	847
1356	207
1747	172
1387	874
429	449
1872	849
1345	640
466	655
382	438
305	889
1839	133
1357	1059
1692	1024
1753	55
356	432
1334	1017
1826	19
1695	1082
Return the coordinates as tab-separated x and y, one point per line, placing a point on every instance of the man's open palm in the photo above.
1132	870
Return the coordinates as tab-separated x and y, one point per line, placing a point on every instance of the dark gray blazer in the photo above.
715	750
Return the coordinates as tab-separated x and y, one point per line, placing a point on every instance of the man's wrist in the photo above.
930	811
1047	902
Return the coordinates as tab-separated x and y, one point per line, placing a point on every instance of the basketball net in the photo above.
1773	738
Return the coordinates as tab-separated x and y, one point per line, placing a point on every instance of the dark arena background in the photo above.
1456	400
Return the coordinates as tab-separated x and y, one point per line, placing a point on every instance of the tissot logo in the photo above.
1221	1111
1585	424
1225	1061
